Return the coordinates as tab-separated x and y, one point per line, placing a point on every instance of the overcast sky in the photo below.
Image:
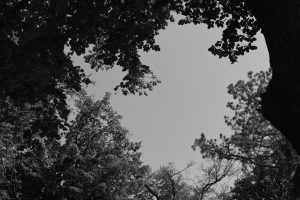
191	98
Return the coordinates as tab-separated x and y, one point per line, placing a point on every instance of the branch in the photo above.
179	172
89	142
249	160
172	185
213	173
210	184
241	158
152	192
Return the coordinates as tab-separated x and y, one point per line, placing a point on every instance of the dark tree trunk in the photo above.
280	24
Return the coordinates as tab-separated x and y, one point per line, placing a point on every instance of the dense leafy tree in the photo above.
268	159
37	32
96	161
25	154
98	149
34	34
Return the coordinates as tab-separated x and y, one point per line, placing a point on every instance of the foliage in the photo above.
97	160
34	66
167	183
34	35
240	26
98	147
24	155
268	159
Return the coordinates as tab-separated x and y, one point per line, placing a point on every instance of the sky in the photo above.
190	99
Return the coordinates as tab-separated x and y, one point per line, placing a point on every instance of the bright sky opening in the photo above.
191	98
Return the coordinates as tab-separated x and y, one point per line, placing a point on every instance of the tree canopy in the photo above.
34	34
268	159
96	160
37	74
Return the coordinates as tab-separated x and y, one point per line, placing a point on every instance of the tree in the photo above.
97	160
25	154
97	147
50	25
167	183
268	159
34	67
209	185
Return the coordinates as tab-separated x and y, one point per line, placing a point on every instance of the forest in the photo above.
49	153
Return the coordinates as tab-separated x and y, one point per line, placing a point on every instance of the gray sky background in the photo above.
191	98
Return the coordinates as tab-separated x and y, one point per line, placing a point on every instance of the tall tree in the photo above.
97	160
269	161
97	147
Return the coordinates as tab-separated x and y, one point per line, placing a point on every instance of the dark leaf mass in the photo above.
39	37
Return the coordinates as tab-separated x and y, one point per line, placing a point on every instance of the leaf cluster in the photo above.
34	36
96	160
240	26
36	68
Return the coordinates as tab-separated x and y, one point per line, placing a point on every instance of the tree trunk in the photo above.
280	24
